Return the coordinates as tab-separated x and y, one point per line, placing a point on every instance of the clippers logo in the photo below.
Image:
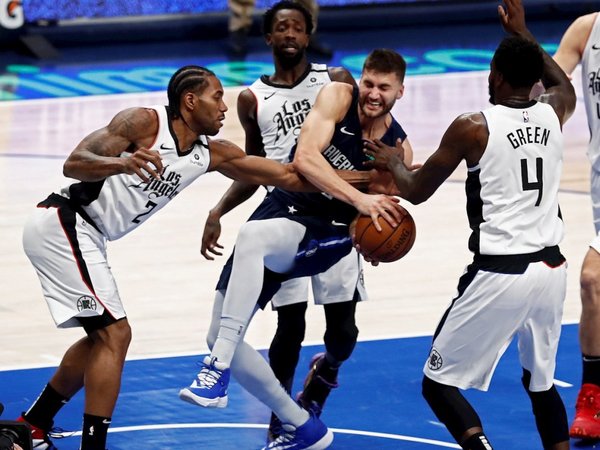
11	14
435	360
86	302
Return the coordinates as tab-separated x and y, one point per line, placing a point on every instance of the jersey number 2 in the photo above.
150	205
536	185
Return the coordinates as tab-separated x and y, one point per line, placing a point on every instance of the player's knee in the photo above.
116	337
291	322
550	414
589	281
450	407
340	341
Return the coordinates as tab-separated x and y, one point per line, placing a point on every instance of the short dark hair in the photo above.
385	60
188	78
519	61
269	15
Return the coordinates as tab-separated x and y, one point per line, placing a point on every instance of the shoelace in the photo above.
208	377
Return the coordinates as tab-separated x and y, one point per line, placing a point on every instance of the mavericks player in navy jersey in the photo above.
272	110
293	235
128	171
517	282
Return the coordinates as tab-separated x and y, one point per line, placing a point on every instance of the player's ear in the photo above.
269	39
189	100
400	92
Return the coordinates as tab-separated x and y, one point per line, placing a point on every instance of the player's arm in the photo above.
466	138
559	90
572	44
97	156
330	107
239	191
342	75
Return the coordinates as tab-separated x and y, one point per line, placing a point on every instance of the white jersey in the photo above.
120	203
590	72
512	199
281	110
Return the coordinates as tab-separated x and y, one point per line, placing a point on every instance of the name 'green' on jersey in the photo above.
512	193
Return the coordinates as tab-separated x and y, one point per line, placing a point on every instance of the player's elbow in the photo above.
301	163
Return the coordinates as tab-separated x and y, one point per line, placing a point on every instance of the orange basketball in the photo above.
389	244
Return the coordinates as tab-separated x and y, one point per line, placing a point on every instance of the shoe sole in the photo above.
188	396
582	429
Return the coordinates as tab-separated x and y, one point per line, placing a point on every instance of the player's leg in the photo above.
538	345
338	289
468	343
550	415
253	372
290	303
269	243
586	423
456	413
69	257
284	352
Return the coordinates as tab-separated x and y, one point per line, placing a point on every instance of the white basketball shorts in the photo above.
338	284
481	323
69	256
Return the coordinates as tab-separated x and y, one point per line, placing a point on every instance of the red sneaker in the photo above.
587	411
40	438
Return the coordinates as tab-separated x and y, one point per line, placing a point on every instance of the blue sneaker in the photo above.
209	389
313	435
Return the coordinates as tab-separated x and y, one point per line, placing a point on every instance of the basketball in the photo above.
390	244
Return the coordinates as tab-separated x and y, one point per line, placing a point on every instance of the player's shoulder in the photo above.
340	74
135	121
582	25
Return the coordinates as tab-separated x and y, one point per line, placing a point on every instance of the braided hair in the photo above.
188	78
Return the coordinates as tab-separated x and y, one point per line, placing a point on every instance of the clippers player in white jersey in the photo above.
272	110
517	282
128	171
581	43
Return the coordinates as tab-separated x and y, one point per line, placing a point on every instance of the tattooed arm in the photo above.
98	155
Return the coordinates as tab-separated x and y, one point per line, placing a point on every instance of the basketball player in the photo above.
128	171
581	43
516	284
240	22
293	235
272	111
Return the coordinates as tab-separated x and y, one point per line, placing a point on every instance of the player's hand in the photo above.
212	232
375	205
512	16
352	230
144	163
382	156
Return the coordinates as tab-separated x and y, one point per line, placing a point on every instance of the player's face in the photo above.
288	37
209	110
378	92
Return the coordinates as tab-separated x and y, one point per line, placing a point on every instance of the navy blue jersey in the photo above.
345	152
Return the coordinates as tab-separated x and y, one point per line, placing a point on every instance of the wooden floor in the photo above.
167	286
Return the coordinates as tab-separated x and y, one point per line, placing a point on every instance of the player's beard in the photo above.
289	61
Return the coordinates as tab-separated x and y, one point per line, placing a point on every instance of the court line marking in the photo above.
396	437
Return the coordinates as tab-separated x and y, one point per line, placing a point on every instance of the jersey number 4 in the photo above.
535	185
